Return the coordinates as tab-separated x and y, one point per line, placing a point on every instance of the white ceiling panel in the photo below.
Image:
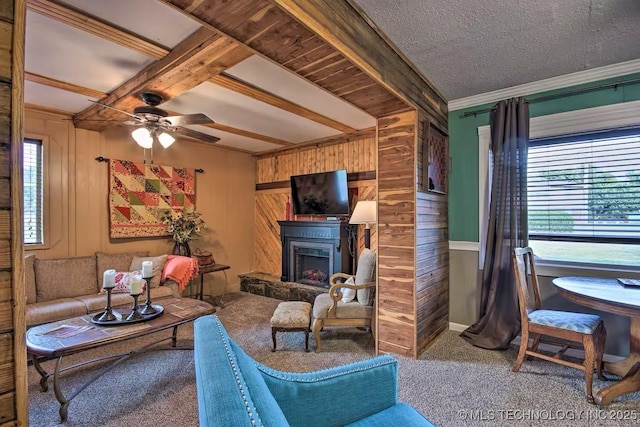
273	78
47	96
237	141
62	52
233	109
148	18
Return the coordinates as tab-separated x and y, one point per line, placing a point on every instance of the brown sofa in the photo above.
61	288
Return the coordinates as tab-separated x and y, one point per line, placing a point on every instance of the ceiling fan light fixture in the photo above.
165	139
143	137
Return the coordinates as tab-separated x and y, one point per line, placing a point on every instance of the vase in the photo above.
182	249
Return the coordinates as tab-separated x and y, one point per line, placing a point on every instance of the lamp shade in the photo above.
366	212
165	139
143	137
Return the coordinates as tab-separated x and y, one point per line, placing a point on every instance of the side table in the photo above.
212	268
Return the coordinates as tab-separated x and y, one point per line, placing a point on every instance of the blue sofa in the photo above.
235	390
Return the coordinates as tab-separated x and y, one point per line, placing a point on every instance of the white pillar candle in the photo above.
135	287
109	279
147	269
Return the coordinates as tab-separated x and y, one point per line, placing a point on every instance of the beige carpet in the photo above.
453	383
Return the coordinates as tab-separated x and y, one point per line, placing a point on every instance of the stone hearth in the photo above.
270	285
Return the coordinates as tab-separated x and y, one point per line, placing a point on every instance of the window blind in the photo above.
33	191
585	187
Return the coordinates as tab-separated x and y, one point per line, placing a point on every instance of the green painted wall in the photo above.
463	139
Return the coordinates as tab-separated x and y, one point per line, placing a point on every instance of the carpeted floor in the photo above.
453	383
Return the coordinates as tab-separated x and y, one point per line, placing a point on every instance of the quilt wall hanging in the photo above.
140	194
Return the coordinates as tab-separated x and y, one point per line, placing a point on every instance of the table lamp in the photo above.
366	212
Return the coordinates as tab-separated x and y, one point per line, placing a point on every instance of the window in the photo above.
33	191
584	197
593	249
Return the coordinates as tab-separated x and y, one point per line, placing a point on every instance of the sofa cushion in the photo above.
119	262
30	278
65	277
95	302
158	265
50	311
365	273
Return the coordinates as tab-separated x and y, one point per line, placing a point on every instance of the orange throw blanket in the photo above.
181	269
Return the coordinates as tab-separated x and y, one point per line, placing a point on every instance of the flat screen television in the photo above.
323	193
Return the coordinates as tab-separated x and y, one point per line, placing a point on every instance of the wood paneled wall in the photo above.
432	257
355	156
77	214
396	240
13	357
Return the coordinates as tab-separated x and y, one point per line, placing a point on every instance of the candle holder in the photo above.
135	314
148	308
108	315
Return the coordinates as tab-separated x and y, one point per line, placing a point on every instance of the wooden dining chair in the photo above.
585	329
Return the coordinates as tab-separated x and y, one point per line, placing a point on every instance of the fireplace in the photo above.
313	250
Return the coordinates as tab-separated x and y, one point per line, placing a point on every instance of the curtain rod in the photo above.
106	159
560	95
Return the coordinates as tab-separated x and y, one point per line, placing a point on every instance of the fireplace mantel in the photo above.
336	237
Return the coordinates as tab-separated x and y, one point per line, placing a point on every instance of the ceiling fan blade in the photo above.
117	109
189	119
193	134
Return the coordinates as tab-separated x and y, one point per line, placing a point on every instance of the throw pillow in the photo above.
158	265
118	261
123	281
348	294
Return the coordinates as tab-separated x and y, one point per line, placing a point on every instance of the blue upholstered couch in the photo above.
235	390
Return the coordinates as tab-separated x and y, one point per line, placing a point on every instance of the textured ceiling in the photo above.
468	47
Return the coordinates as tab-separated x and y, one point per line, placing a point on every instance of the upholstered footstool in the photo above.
291	316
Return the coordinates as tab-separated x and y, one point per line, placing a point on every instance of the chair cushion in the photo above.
399	414
578	322
364	274
348	310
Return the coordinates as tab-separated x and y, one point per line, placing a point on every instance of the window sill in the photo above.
550	268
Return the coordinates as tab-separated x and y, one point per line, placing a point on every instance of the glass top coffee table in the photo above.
71	336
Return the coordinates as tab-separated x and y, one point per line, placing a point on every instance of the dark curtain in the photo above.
499	320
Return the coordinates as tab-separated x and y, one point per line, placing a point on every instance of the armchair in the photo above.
331	310
235	390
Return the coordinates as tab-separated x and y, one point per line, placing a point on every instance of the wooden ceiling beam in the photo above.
193	61
48	81
231	83
70	87
75	18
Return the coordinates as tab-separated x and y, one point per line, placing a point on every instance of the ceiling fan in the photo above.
155	123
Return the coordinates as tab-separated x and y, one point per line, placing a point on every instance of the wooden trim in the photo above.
231	83
351	177
315	143
17	249
50	110
59	84
98	27
249	134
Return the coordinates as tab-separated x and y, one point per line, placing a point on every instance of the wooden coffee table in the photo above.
44	342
